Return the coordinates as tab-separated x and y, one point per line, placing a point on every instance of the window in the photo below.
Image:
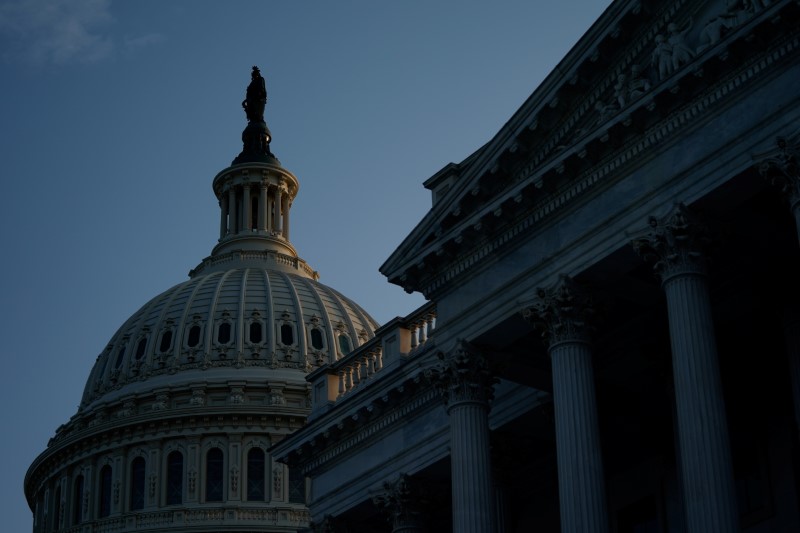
316	339
255	332
214	475
137	484
224	333
344	344
194	336
105	491
77	501
256	475
175	478
166	341
297	486
57	510
254	212
140	348
120	355
287	335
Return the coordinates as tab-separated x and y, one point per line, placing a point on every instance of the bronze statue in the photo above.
256	97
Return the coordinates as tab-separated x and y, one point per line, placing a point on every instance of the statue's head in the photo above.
256	73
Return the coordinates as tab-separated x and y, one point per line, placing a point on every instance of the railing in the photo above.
401	337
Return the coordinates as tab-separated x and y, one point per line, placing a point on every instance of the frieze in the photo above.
673	125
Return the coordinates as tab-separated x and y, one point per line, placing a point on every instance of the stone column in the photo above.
246	217
262	207
562	312
231	210
676	245
466	386
223	217
278	227
286	216
781	168
400	503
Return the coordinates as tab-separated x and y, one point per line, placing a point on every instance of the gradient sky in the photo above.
115	116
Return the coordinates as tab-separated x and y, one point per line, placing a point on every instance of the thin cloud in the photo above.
56	31
134	43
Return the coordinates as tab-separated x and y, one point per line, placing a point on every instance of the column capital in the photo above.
463	376
676	243
562	312
399	501
780	167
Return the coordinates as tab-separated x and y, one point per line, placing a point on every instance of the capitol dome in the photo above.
181	407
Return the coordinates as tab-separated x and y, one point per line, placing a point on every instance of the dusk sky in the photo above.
115	116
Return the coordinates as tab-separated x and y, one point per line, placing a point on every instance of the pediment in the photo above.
645	72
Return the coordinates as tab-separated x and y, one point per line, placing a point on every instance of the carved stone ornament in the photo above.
328	524
675	244
561	312
399	501
780	168
463	376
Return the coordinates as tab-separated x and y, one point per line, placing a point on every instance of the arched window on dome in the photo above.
254	212
175	478
316	339
120	355
193	337
344	344
57	509
224	333
214	475
77	501
256	475
140	348
137	484
287	335
256	333
166	341
104	503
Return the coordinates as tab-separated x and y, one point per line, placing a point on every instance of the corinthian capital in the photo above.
561	312
780	167
399	501
675	244
463	376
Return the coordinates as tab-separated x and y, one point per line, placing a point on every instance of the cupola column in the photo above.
277	227
466	385
676	244
246	215
223	218
563	312
262	207
286	216
231	210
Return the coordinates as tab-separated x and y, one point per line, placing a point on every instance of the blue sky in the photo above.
115	116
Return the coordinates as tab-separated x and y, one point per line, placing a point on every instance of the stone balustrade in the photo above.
401	337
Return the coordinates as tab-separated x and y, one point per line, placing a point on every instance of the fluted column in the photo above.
246	217
223	218
466	385
676	245
562	312
286	216
278	226
232	210
398	500
262	207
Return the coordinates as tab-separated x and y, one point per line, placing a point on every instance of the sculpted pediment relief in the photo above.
644	72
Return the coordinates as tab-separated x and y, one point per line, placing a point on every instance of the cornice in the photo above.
536	198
